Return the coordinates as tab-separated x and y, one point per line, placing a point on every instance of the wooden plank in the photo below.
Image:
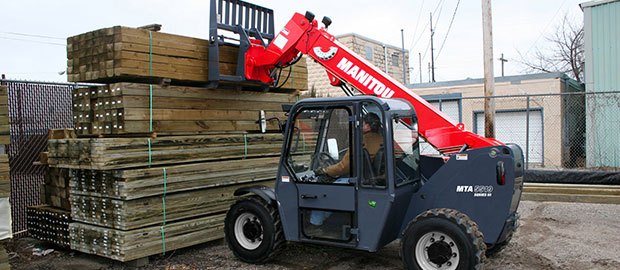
121	153
121	52
139	183
130	245
142	212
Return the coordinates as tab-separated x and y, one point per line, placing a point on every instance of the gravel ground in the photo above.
552	236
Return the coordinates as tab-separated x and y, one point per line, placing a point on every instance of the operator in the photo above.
372	142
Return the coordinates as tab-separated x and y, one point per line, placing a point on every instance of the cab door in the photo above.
324	207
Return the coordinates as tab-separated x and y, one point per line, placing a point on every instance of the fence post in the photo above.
527	133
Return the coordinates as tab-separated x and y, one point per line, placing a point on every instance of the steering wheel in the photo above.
322	160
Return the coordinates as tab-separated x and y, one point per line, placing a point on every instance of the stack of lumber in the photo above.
125	108
136	244
49	224
5	180
122	153
148	211
4	116
146	182
4	258
55	189
138	55
153	166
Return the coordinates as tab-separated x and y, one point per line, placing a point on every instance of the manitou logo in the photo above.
464	189
362	76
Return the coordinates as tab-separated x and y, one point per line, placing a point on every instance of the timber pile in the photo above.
55	189
49	224
4	116
146	182
153	168
133	214
5	180
135	244
123	153
127	54
125	108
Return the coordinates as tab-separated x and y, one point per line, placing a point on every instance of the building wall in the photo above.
551	106
602	55
369	49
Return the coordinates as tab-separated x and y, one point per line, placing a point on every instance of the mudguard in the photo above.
266	193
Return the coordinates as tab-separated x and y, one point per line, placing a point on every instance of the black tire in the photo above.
443	237
253	230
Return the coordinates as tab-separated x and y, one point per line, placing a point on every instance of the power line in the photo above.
31	35
546	26
449	27
416	24
440	3
35	41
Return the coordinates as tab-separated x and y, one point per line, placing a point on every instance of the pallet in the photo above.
49	224
140	183
142	212
137	55
126	246
125	153
131	108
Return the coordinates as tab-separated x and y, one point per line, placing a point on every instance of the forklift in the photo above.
449	211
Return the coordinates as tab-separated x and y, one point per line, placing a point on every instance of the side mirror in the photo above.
332	148
262	121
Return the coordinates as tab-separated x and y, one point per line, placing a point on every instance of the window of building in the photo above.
395	57
368	53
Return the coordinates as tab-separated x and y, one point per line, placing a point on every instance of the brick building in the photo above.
387	58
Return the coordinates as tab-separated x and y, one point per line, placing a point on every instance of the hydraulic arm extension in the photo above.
303	35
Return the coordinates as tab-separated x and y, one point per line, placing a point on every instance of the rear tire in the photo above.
443	239
253	230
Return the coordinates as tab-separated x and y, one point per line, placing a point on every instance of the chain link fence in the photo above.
34	108
556	131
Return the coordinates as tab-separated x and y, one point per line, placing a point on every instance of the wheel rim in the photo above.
248	231
436	250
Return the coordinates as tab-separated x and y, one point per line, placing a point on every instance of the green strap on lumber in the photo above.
245	146
150	152
150	85
303	142
162	229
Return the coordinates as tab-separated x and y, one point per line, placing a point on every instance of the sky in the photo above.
33	33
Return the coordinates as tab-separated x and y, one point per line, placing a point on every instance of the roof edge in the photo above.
596	3
371	40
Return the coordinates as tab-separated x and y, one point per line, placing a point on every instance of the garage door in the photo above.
451	109
510	127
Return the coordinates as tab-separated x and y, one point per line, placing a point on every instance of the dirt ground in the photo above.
552	236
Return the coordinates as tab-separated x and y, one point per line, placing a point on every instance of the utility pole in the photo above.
405	60
432	55
429	72
489	80
420	65
503	60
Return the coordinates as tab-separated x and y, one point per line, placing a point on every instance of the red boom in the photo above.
303	36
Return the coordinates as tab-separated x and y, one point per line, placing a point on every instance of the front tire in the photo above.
443	239
253	230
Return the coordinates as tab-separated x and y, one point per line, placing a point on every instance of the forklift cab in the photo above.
341	178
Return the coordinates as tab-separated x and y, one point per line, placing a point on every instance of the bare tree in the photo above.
564	53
